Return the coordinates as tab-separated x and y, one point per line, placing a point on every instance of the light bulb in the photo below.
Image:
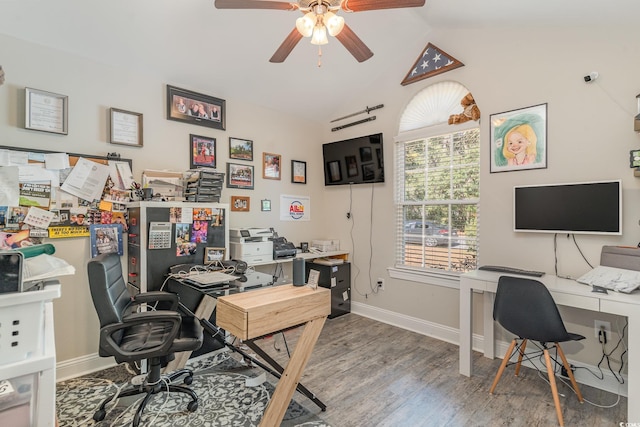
305	24
334	23
319	35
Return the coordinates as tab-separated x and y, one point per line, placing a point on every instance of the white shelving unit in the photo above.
28	357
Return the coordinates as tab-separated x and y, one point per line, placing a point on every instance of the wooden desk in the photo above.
565	292
250	315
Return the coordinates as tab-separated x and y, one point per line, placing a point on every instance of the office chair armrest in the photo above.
157	296
131	320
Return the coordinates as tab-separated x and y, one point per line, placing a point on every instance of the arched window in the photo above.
437	159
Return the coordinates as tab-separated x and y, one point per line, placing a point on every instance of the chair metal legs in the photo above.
153	385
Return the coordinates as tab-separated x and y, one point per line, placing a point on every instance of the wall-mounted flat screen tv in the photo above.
354	161
578	208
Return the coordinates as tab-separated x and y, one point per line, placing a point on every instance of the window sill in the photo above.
447	280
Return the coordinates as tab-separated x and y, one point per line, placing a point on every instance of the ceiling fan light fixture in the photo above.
305	24
319	35
334	23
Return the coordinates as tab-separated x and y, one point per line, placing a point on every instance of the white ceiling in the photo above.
225	53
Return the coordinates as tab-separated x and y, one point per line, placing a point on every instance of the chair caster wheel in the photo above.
188	379
99	415
192	406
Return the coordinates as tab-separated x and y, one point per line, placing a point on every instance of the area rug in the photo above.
219	380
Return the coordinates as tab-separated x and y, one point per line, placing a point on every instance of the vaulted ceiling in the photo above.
225	53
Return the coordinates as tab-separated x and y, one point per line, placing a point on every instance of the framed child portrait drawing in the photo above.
519	139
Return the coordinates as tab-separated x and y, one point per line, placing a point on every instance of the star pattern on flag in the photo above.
432	61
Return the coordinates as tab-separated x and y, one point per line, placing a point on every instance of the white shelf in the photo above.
304	255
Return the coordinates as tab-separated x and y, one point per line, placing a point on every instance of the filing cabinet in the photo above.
338	279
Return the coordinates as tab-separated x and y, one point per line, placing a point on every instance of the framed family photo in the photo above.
195	108
240	176
213	255
519	139
271	164
240	203
203	151
240	149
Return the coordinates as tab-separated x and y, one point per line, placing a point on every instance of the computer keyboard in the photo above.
511	270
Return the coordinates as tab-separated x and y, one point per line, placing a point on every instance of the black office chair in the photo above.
525	308
132	336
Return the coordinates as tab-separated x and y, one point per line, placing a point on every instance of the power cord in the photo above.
555	254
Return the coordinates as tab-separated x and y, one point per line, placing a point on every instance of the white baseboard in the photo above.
82	365
451	335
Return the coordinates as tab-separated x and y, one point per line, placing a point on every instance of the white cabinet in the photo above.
28	358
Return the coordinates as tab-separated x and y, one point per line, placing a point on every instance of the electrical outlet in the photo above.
380	283
564	373
599	325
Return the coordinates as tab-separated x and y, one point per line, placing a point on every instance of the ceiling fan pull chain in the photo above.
319	56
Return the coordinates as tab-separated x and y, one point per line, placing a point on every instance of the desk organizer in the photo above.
21	324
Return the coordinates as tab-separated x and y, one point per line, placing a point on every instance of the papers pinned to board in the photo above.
616	279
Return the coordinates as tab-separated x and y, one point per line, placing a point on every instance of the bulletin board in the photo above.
72	216
73	157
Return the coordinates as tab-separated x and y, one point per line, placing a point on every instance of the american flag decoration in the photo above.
431	62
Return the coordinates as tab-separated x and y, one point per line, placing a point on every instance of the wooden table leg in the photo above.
283	393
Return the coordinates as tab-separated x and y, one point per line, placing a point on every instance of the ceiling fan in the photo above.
320	17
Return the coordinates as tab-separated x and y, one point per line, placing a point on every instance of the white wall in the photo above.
92	89
590	133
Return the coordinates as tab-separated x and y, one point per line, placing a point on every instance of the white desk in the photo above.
565	292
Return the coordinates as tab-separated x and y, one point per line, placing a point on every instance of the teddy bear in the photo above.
470	111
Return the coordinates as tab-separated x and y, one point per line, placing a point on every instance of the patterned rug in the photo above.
219	380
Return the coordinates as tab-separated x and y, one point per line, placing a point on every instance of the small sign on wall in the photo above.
295	208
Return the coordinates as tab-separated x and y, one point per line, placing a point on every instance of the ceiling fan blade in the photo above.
286	47
360	5
254	4
349	40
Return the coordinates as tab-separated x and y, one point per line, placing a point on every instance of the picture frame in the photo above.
298	172
366	155
240	149
271	165
214	255
105	239
265	205
203	151
333	171
46	111
195	108
240	176
125	127
240	203
519	139
352	165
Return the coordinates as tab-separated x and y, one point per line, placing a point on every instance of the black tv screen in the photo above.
580	208
354	161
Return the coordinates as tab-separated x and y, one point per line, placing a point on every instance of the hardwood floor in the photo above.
372	374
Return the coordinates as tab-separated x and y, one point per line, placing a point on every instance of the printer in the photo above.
252	245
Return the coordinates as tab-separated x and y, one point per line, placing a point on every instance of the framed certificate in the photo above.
46	111
125	127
